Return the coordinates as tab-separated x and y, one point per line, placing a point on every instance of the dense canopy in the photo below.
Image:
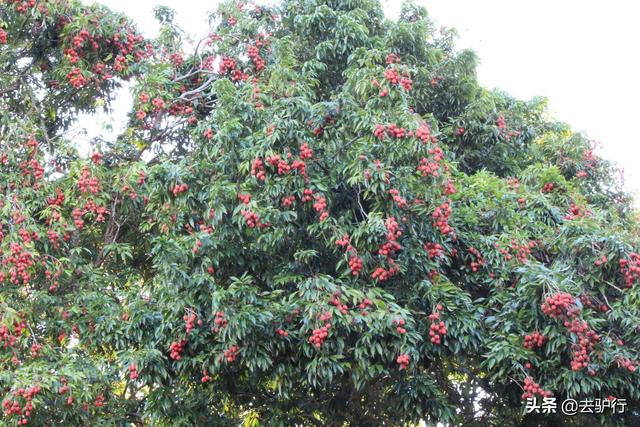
315	216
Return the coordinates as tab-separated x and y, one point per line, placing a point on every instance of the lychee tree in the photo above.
314	216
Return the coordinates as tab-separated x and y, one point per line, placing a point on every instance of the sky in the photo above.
580	54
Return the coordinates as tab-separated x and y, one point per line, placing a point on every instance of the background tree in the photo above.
315	216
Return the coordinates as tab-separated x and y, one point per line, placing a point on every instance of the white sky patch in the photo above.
580	54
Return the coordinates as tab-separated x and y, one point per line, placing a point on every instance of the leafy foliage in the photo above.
315	216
